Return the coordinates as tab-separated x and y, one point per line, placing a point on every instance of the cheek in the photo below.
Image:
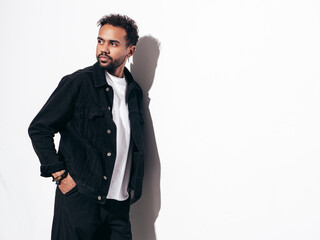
120	52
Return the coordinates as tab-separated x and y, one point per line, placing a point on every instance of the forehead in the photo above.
109	32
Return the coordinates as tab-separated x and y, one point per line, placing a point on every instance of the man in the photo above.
99	165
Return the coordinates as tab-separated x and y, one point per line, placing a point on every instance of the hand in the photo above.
56	174
67	184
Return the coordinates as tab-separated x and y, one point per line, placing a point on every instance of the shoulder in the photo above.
137	86
81	74
132	81
78	79
75	83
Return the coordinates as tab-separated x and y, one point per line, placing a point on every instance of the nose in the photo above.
104	48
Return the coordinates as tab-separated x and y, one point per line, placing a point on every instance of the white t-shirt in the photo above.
121	173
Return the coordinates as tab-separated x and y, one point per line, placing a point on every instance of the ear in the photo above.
132	49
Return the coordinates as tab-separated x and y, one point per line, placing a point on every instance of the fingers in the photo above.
67	184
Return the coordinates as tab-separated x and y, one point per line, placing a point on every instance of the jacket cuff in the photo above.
47	170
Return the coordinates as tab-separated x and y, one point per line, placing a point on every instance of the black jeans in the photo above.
76	217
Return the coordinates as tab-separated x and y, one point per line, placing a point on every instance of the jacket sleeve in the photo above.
51	119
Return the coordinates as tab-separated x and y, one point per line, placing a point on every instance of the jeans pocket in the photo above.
71	191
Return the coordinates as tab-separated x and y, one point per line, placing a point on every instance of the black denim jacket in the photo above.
80	109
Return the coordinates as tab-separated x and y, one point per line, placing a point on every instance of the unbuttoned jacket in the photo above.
80	109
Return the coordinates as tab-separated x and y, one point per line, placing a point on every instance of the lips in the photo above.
104	58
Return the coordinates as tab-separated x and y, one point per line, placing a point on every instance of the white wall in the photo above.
232	128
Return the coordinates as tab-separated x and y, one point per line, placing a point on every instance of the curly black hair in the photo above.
124	22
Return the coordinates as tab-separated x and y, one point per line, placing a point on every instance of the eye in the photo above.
100	41
114	44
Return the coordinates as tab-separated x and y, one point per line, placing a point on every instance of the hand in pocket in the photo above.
67	184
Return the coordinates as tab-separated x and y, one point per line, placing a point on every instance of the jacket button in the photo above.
109	108
107	89
105	177
109	154
99	198
108	131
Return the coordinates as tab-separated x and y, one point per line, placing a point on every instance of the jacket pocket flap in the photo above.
95	113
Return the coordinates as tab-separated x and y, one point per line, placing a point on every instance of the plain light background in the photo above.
234	106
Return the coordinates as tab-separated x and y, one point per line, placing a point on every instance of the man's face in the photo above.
112	51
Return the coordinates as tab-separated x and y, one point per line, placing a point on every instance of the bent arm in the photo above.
51	119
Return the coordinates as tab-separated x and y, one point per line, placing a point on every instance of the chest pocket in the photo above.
93	124
95	113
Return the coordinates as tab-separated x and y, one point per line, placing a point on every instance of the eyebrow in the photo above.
100	38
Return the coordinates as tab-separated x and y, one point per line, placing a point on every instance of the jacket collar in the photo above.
99	76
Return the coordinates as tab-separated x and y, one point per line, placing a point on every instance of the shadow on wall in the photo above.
145	212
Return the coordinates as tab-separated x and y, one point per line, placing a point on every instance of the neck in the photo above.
118	72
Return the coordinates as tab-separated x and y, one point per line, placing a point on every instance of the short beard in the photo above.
114	64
